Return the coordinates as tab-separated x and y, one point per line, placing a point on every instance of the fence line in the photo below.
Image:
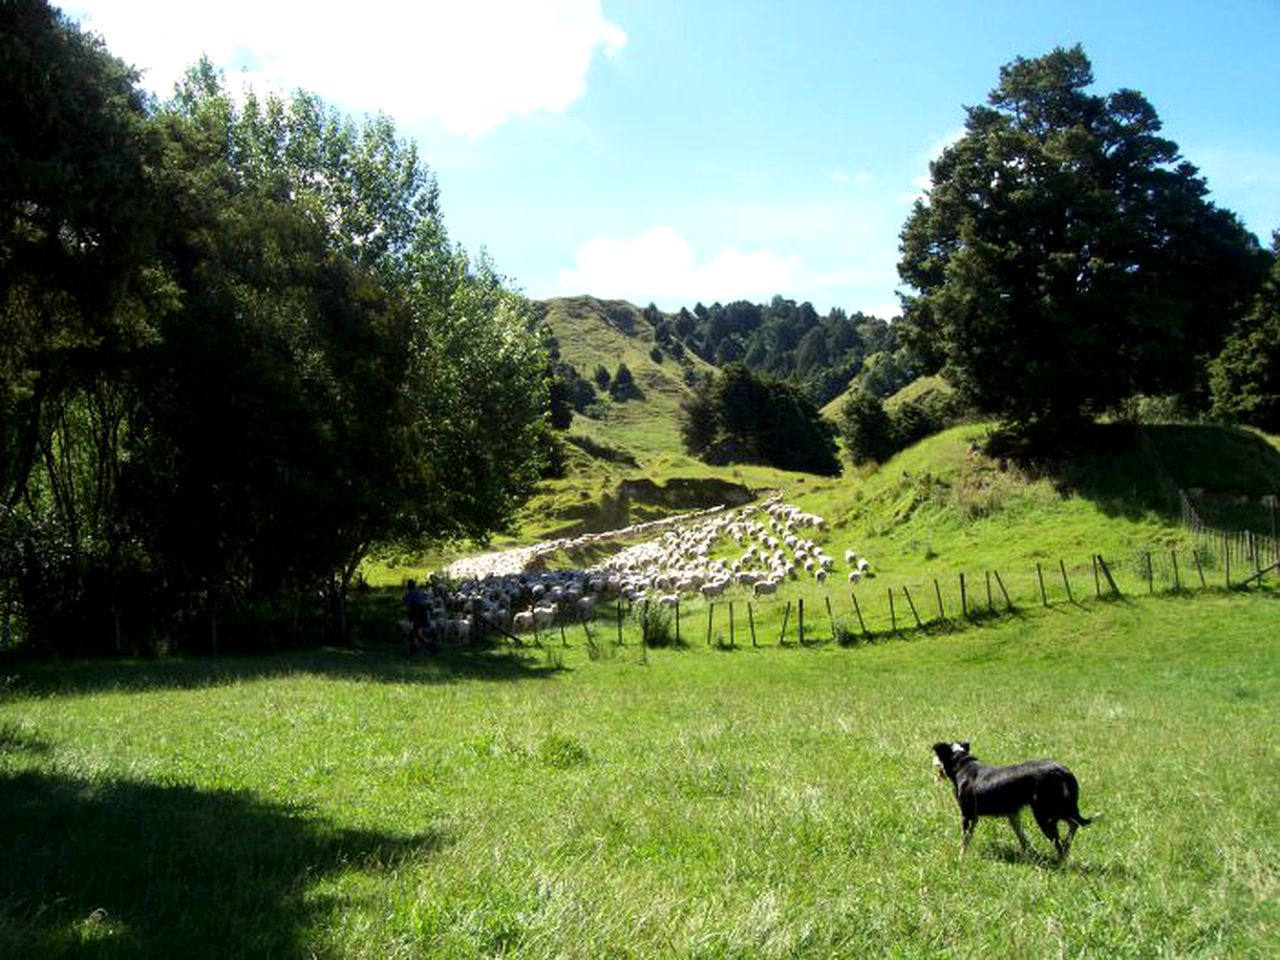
1246	551
1234	559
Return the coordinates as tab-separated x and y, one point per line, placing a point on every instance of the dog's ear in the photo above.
942	750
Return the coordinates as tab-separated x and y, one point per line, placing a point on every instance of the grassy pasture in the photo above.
694	803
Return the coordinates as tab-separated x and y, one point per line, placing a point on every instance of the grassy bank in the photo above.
702	803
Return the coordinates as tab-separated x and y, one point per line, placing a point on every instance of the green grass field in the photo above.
690	803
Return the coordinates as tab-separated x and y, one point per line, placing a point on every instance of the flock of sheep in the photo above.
775	539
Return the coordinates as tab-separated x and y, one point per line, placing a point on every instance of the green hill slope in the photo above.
625	461
920	390
607	333
942	505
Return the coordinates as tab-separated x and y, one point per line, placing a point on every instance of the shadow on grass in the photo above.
128	869
1133	471
380	664
1074	864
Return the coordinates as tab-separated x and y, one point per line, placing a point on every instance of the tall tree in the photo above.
75	213
1245	377
1065	255
78	295
361	380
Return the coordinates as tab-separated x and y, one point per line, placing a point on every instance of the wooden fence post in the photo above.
1065	582
751	622
782	635
1195	555
912	605
893	617
1007	602
710	610
1106	572
937	592
1044	596
1151	575
1226	560
990	606
732	641
619	618
1177	581
1097	582
858	610
830	617
677	621
800	618
964	599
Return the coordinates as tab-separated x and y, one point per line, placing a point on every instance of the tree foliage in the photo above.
782	339
1245	377
866	429
240	351
873	430
742	416
1066	257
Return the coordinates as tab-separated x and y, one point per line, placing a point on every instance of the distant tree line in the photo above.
786	340
239	352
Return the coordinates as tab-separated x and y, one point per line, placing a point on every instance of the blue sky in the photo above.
683	150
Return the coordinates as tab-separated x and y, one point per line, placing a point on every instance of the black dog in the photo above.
1048	788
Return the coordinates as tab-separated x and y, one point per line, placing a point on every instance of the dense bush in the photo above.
739	416
873	430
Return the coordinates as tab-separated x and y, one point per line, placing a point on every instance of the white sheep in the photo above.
544	615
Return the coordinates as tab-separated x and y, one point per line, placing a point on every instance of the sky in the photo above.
677	151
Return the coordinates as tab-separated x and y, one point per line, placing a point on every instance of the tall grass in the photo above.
701	802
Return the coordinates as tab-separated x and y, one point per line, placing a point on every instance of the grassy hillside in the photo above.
937	509
943	507
605	333
634	438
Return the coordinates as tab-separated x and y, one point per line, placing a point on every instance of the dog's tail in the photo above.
1071	793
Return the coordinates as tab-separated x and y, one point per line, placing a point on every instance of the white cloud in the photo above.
924	181
861	178
659	264
885	311
470	64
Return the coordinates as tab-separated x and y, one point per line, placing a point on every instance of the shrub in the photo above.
866	428
657	624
